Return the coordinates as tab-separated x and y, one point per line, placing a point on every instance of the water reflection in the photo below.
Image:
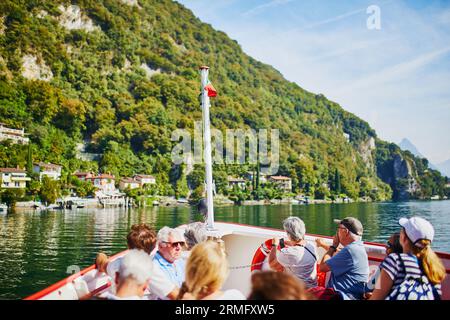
37	247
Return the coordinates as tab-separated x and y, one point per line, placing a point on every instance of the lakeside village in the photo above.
39	186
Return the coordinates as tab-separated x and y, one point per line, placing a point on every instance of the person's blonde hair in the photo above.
206	269
431	264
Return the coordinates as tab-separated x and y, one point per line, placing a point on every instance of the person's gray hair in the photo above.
194	233
295	228
165	232
136	265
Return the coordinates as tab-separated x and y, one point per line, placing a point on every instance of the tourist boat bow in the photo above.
241	242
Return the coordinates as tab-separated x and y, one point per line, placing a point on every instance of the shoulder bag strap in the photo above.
315	258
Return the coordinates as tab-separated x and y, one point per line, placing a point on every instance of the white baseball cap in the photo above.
417	228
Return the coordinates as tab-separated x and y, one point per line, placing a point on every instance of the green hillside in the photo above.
127	76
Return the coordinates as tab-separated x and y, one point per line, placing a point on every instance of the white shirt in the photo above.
159	285
300	262
185	255
113	267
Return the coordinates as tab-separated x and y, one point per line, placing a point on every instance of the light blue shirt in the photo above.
174	271
350	270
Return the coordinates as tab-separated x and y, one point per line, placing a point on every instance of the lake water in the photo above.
38	249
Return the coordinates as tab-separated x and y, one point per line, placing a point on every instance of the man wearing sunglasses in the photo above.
167	260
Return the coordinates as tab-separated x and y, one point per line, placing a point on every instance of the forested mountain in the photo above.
121	75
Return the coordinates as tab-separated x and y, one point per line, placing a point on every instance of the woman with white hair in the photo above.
133	276
296	255
194	233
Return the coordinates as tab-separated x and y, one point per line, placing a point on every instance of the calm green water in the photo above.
37	248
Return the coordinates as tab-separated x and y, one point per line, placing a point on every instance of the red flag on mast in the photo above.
212	92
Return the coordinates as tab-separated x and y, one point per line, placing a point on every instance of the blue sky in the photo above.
397	78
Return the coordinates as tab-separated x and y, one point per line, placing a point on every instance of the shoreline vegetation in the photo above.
26	206
220	201
44	186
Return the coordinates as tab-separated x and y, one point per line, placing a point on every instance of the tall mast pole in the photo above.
207	149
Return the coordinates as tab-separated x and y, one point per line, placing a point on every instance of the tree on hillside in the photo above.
11	196
197	177
50	190
34	187
322	192
306	175
337	182
29	160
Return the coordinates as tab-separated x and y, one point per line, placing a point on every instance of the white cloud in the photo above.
396	72
260	8
333	19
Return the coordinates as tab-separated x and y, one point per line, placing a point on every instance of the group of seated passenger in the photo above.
410	271
187	264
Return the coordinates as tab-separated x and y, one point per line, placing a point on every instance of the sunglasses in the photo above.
175	244
389	245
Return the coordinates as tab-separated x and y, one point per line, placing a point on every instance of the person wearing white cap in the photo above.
415	274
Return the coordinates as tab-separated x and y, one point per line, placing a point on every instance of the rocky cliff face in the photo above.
72	18
404	183
365	150
35	69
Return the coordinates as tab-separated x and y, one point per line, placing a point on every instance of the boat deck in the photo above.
241	242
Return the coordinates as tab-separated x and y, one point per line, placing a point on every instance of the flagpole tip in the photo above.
204	67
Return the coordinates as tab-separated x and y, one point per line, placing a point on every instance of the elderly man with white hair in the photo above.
133	276
349	266
168	263
296	255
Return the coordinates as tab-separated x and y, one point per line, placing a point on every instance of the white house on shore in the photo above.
128	183
103	182
15	135
282	182
53	171
144	179
13	178
138	181
250	175
239	182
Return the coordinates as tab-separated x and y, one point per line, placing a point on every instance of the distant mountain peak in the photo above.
443	167
405	144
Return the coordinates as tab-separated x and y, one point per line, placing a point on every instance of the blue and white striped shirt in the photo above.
393	267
